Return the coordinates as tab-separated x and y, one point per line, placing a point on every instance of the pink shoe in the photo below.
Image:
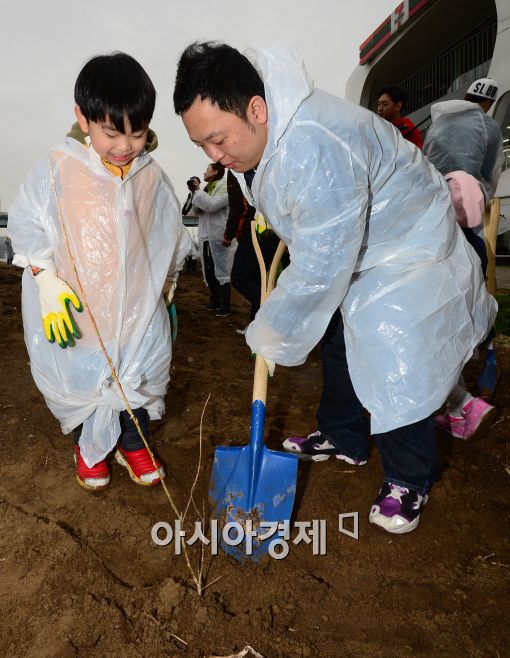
478	415
451	424
476	418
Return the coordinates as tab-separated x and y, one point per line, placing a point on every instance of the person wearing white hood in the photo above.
97	227
463	138
370	230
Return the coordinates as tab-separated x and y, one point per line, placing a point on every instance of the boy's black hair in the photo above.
114	86
219	73
396	93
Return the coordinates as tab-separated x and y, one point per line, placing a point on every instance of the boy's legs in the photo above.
92	478
132	452
343	427
130	439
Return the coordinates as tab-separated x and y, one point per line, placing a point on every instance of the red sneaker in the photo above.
140	466
95	478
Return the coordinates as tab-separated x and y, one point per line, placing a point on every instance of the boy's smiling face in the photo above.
114	147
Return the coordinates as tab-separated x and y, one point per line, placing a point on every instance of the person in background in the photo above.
211	206
193	185
463	138
245	275
391	101
9	253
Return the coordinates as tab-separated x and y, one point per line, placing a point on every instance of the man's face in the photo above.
114	147
387	109
226	138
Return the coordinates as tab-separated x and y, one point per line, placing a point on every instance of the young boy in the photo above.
97	227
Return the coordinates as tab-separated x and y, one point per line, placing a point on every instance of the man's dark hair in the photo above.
396	93
114	86
219	169
219	73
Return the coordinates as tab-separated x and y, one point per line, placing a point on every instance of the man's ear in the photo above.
398	107
257	109
84	124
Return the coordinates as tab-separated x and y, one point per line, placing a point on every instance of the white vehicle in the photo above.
435	49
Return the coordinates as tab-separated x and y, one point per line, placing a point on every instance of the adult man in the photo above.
464	138
211	205
369	228
391	100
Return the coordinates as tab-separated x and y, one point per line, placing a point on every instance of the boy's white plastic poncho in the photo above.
370	229
125	237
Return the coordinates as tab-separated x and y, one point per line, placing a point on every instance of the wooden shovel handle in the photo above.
266	282
266	286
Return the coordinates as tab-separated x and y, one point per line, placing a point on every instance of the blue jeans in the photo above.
409	454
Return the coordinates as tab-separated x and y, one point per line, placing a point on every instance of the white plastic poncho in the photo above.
212	211
370	228
462	137
125	237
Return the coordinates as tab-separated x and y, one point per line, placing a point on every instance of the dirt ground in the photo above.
80	575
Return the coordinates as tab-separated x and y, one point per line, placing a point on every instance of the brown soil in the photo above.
80	575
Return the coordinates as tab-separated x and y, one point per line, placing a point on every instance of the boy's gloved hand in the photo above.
168	292
54	297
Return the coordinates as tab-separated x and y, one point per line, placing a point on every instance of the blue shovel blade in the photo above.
272	494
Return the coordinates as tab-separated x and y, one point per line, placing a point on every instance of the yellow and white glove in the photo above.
54	297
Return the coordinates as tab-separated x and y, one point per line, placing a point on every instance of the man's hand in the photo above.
226	243
270	366
54	298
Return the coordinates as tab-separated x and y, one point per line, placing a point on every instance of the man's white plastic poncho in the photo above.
370	228
212	211
125	237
